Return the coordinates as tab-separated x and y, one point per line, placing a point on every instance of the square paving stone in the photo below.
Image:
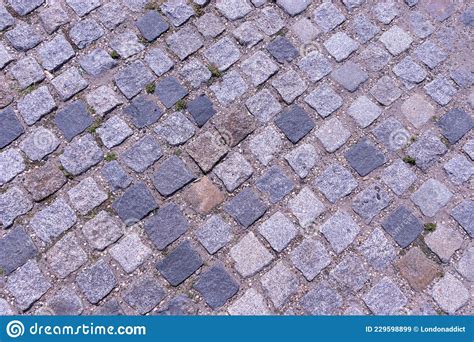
27	284
295	123
16	248
426	150
327	16
141	155
350	75
112	14
371	201
216	286
321	300
280	284
233	10
246	207
27	72
132	79
392	134
266	144
135	203
450	293
289	85
420	24
102	230
81	154
143	111
5	56
83	7
73	119
230	88
468	148
310	257
158	61
396	40
385	91
324	100
441	90
409	72
431	196
385	11
315	66
340	230
385	298
53	220
403	226
11	164
363	29
234	127
166	226
364	157
201	109
130	252
184	42
171	176
209	25
430	54
305	30
293	7
24	7
144	294
455	124
69	83
335	182
85	32
10	127
207	149
44	181
170	91
278	230
350	273
39	143
103	100
249	255
275	184
97	62
176	129
282	50
35	105
251	303
465	264
377	250
203	196
23	36
364	111
340	46
195	73
180	264
177	11
65	302
417	110
13	203
444	241
96	281
247	34
53	17
302	159
222	54
234	171
463	213
398	177
86	196
114	131
332	134
259	67
126	44
263	105
417	269
6	19
374	57
55	53
152	25
306	207
459	169
270	21
66	256
214	234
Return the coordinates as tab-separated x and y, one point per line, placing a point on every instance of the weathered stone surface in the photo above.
403	226
310	257
141	155
385	298
216	286
450	293
144	294
66	256
130	252
16	249
102	230
417	269
249	255
96	281
214	234
203	196
180	264
246	207
167	225
13	203
81	154
134	204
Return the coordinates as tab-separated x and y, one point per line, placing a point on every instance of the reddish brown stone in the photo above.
207	149
44	181
203	196
235	127
417	269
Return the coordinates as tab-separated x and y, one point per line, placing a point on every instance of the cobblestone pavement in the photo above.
236	157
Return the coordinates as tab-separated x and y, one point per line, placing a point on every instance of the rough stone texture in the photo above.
171	176
403	226
233	171
180	264
134	204
280	283
371	201
102	230
249	255
167	225
216	286
130	252
463	213
11	164
385	298
203	196
364	157
142	154
335	182
96	281
417	269
16	249
340	230
144	294
214	234
275	184
36	104
321	300
310	257
350	273
450	293
66	256
278	230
